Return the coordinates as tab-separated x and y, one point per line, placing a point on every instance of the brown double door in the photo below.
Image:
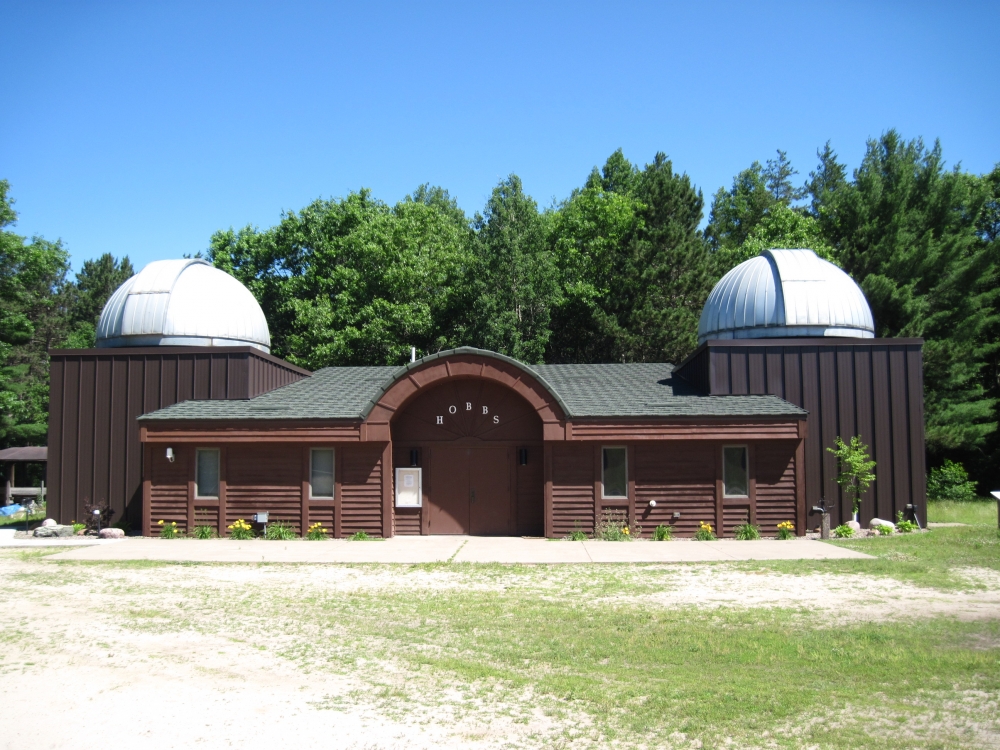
470	493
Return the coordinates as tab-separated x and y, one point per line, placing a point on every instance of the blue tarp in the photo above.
9	510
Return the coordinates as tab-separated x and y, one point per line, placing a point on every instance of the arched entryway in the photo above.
479	447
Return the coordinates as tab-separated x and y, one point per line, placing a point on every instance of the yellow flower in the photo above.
161	522
625	530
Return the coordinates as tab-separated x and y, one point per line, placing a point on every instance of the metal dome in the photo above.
183	303
785	293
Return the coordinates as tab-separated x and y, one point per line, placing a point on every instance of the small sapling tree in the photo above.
855	466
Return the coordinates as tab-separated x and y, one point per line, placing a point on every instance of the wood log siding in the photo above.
572	488
361	489
775	473
169	490
681	478
264	477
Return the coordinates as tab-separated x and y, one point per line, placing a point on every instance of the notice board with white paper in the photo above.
409	488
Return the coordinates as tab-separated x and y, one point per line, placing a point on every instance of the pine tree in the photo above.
672	272
905	228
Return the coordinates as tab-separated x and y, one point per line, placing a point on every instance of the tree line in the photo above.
617	272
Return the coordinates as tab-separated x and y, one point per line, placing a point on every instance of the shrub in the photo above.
104	513
883	530
704	532
279	531
663	533
78	526
316	533
950	481
843	531
576	535
241	530
903	526
168	530
786	530
747	532
613	526
203	532
359	536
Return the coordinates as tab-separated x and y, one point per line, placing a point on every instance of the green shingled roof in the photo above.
611	390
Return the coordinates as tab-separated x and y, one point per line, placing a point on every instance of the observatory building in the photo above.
181	414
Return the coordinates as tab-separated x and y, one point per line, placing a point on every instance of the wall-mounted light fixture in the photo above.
677	514
652	503
522	456
170	455
414	457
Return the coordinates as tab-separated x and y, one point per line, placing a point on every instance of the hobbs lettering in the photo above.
453	409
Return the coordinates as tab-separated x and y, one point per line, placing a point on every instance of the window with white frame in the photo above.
206	479
321	473
614	472
735	476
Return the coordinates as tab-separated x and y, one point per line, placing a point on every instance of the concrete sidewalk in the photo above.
459	549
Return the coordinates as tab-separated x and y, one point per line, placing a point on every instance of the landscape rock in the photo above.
876	522
854	525
49	522
53	531
111	534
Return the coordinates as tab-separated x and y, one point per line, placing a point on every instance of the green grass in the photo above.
581	646
930	559
980	512
19	520
639	674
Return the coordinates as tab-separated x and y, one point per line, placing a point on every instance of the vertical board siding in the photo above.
572	488
95	397
56	438
915	402
680	477
872	388
361	489
882	449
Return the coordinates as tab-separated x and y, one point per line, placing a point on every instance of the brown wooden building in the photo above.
182	415
96	395
501	447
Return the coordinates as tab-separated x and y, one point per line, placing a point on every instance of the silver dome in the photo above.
785	293
183	303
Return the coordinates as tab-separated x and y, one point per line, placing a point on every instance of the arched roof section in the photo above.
464	362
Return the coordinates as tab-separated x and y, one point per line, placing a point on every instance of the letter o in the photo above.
452	409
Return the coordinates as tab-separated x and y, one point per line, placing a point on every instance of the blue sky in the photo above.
141	128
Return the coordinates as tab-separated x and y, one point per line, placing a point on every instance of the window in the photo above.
321	473
614	475
734	471
206	480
